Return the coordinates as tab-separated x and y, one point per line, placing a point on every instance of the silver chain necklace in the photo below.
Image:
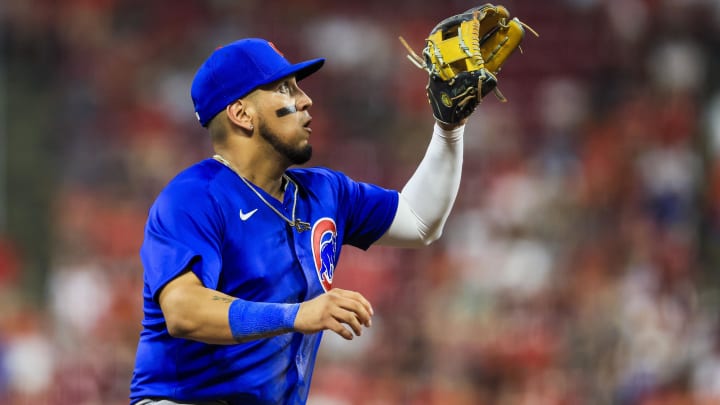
299	225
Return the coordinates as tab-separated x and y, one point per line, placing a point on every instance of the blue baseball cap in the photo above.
234	70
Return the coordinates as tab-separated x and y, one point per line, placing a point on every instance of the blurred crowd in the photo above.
579	263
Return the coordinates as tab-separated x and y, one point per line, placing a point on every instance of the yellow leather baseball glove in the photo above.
463	55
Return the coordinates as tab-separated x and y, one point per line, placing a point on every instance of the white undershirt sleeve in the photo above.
427	198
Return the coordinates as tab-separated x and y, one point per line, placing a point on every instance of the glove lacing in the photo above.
473	52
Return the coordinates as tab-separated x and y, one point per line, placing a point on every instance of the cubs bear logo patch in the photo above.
324	249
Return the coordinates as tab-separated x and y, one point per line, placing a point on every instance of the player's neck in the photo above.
260	172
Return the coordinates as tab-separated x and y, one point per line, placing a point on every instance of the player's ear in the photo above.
239	113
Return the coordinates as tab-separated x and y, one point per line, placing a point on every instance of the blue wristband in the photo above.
249	318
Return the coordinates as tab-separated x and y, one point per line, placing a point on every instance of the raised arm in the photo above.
427	198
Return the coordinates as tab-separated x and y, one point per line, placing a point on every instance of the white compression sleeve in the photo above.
427	198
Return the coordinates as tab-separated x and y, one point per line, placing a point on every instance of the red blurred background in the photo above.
579	264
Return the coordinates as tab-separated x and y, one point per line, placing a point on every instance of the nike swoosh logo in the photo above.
245	215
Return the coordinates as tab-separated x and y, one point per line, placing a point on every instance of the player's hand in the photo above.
331	310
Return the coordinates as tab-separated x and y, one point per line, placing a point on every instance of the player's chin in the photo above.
306	150
301	154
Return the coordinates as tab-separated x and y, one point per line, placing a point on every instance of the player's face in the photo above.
284	120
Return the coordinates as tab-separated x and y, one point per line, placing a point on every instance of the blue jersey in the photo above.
207	219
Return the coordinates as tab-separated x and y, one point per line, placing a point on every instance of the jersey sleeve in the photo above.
369	210
183	231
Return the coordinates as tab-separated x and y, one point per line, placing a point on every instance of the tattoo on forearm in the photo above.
223	299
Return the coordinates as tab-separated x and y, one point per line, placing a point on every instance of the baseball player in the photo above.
240	248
